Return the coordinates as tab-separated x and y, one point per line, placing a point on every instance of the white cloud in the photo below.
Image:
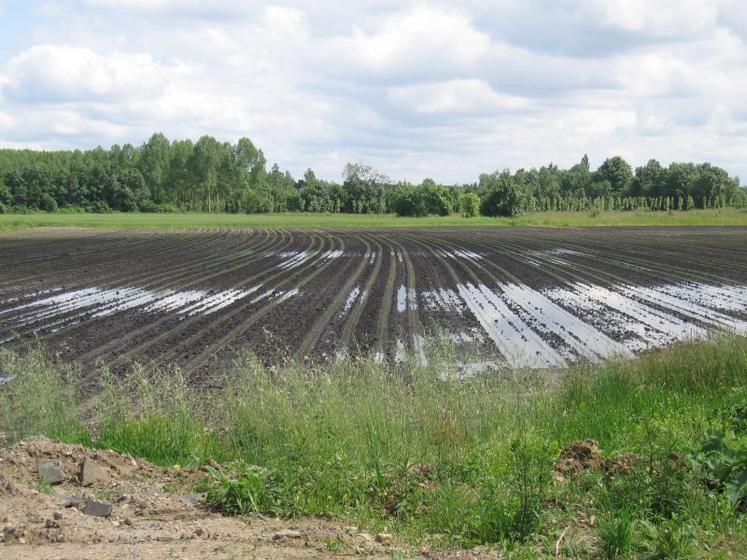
422	38
58	73
663	17
454	96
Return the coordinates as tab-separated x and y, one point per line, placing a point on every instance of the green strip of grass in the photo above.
723	217
417	450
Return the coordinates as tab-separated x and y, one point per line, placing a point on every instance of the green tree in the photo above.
154	161
617	171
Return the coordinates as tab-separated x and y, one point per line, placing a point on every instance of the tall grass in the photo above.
415	447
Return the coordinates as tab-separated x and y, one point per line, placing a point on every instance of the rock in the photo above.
192	500
49	472
71	501
90	472
579	456
58	515
287	534
97	509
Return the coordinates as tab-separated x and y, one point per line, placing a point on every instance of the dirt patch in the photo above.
153	514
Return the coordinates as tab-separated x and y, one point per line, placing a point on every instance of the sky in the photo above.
433	88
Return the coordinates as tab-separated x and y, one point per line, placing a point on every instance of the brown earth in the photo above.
155	515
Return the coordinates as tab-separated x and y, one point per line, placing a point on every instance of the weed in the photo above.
333	545
671	540
44	486
616	534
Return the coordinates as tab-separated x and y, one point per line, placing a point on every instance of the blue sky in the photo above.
418	89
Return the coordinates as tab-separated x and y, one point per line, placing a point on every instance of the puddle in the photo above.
352	296
401	299
516	341
460	254
68	308
551	319
442	298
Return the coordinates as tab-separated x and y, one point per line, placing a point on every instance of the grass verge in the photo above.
455	462
720	217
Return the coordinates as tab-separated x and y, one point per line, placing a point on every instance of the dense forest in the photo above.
213	176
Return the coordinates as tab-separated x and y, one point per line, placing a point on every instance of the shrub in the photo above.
722	458
506	198
149	206
469	205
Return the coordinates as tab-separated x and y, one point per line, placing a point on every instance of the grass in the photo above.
722	217
416	450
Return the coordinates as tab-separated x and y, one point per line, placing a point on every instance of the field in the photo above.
501	298
133	220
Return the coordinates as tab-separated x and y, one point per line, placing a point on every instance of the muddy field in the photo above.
538	298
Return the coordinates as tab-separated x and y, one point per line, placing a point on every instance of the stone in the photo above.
49	472
287	534
97	509
71	501
192	500
90	472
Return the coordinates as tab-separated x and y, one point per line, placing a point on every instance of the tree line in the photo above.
213	176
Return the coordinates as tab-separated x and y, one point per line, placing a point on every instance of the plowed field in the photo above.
515	298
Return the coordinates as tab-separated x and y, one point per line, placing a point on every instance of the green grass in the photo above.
724	217
415	450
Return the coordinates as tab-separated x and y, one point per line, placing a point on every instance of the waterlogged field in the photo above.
502	298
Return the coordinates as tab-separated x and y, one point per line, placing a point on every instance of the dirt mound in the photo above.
131	509
23	460
579	456
625	463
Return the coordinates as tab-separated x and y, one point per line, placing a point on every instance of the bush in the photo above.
151	207
722	458
47	203
99	207
469	205
506	198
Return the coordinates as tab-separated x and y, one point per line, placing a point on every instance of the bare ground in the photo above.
155	515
